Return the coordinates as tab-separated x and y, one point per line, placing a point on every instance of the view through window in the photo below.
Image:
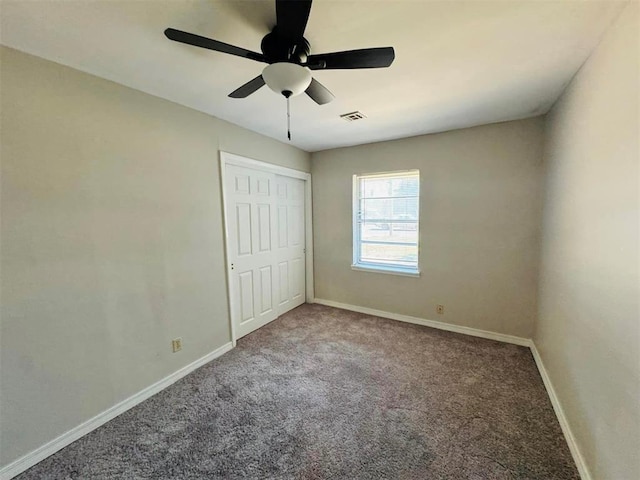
386	221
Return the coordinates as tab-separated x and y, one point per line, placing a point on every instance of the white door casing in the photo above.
268	241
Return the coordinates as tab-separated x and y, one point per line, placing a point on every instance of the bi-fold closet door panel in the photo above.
290	244
265	224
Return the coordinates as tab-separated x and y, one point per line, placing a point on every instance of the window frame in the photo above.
393	269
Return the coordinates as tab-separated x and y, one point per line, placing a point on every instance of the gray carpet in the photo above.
323	393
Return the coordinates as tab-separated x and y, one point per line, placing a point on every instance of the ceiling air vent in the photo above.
353	116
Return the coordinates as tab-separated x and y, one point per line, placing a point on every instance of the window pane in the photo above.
389	187
403	209
375	187
389	232
402	255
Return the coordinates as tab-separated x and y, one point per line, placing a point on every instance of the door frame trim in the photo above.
227	158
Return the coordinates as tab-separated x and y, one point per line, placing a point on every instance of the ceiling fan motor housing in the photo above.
277	48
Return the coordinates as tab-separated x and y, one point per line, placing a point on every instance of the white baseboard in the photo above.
23	463
500	337
562	419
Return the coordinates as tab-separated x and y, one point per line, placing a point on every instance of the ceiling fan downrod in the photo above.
287	95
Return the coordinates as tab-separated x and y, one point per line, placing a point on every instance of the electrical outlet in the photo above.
176	344
440	309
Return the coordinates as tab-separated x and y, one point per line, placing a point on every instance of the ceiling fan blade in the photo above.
292	17
319	92
248	88
203	42
365	58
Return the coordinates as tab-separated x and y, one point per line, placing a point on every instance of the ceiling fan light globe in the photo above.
287	77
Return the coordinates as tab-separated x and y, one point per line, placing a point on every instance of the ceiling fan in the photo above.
287	54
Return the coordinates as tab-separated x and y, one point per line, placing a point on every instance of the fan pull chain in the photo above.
288	120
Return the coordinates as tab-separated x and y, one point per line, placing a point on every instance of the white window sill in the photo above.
388	270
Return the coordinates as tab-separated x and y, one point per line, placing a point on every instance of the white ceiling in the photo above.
458	64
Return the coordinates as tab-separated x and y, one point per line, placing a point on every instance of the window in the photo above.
385	222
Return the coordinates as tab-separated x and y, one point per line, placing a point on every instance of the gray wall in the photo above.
588	331
112	243
479	226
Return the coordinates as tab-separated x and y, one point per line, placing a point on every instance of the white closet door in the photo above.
290	242
250	203
266	245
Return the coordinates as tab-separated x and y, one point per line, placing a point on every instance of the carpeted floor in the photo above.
323	393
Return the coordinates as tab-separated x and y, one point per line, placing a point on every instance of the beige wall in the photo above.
112	243
479	230
588	332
